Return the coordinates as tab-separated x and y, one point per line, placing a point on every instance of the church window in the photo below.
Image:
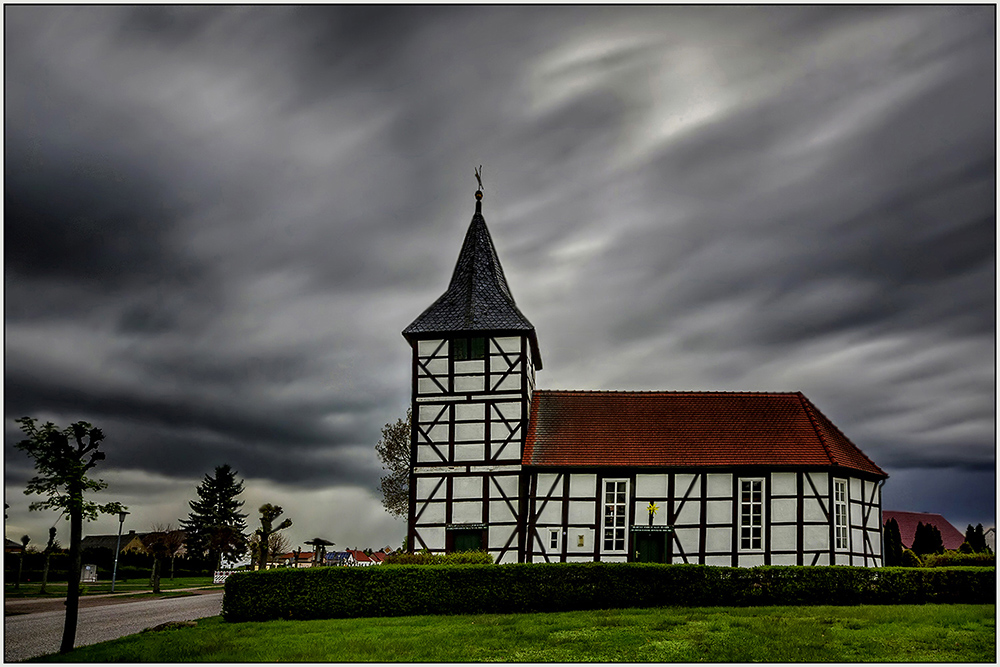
751	514
615	492
840	513
466	348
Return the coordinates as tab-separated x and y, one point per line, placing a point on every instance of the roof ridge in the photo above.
669	391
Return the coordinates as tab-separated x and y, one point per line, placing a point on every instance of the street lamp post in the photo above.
121	522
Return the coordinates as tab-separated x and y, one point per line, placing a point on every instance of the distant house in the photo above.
907	521
130	542
12	547
360	558
991	538
304	559
339	558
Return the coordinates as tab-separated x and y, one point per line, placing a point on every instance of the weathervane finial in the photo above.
479	177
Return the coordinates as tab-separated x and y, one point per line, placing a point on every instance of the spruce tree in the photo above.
893	544
215	525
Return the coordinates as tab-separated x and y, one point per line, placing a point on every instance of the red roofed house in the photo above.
907	522
720	478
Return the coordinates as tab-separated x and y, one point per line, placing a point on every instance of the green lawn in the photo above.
58	589
928	633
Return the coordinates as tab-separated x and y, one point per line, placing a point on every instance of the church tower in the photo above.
473	373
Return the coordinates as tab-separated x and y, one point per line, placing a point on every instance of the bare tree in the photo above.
268	513
51	546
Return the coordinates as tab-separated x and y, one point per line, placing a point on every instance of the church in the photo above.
533	475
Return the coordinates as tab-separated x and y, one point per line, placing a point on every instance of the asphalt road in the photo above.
34	634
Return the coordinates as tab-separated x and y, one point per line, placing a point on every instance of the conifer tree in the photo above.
215	525
893	544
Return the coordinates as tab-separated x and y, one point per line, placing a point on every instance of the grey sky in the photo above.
219	219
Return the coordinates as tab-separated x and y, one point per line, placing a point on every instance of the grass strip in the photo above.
884	633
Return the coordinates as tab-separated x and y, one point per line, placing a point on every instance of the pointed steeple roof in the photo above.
478	298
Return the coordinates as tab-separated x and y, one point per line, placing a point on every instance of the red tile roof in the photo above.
951	537
680	429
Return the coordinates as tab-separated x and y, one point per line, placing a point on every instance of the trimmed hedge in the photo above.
960	559
426	558
402	590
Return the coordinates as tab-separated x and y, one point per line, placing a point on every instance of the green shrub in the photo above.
960	559
427	558
911	559
402	590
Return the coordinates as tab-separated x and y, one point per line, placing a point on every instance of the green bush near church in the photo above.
403	590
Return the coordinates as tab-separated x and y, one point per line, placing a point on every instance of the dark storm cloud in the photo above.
218	219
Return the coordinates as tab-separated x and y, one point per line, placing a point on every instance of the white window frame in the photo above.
553	539
750	505
841	523
614	522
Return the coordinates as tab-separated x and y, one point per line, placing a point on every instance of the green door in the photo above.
650	547
468	540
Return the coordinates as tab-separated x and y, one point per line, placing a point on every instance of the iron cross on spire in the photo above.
479	176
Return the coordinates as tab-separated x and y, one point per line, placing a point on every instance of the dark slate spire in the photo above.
478	298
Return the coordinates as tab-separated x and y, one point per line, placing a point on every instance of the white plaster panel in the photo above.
433	512
688	538
470	411
436	433
500	511
511	411
751	560
509	557
681	484
578	559
581	511
782	559
651	485
500	364
467	512
428	413
579	540
690	513
720	486
545	482
499	432
583	486
551	513
782	538
427	386
855	513
612	559
432	537
719	511
869	490
783	484
507	484
427	454
857	538
719	561
821	481
815	537
507	344
470	366
783	509
510	383
498	536
467	487
473	431
843	559
470	452
425	348
873	519
824	559
469	383
437	366
719	539
812	510
425	487
876	547
855	488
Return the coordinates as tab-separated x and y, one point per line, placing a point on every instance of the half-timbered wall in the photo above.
710	517
469	420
